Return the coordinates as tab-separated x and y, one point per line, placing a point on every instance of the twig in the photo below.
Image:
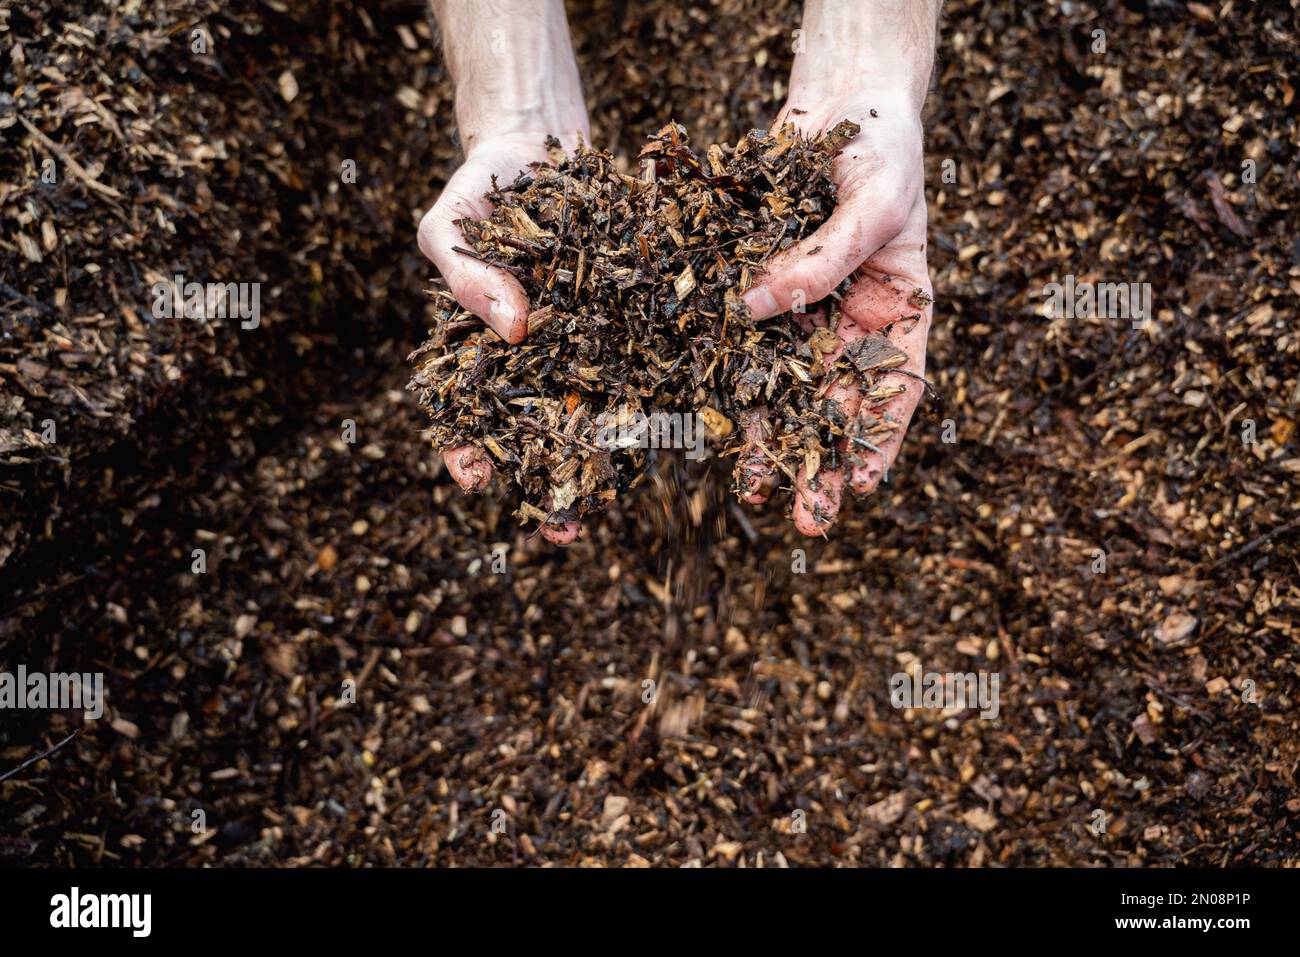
40	757
743	521
867	445
1255	544
556	434
779	464
929	387
77	169
468	252
516	270
9	290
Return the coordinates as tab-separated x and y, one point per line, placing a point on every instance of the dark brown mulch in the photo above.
224	167
1124	691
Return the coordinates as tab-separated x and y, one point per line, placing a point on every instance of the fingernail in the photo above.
501	318
761	302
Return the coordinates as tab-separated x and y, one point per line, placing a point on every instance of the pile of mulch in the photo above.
1159	687
211	141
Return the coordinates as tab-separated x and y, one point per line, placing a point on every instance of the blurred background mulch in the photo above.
1159	691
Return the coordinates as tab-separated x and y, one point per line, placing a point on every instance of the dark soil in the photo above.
1159	691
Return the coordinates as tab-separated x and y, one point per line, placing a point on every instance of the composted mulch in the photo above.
1157	687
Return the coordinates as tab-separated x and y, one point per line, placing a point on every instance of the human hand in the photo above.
875	238
490	293
516	83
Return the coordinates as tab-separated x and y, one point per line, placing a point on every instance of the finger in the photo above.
755	475
812	268
469	466
817	500
562	534
560	526
867	466
490	293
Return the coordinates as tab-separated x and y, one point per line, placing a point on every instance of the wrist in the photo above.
514	71
878	50
881	93
483	122
821	106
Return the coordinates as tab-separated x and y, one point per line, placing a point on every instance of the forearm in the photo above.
513	67
883	46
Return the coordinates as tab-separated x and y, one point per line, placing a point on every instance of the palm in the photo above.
876	239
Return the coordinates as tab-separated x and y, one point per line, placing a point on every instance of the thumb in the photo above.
490	293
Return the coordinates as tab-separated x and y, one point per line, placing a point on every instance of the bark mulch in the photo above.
1158	690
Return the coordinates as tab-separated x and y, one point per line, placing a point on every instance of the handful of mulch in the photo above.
638	338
